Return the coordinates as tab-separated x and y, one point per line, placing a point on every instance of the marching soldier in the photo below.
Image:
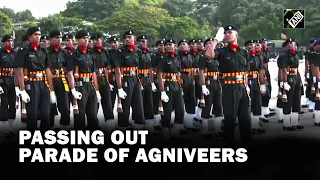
200	46
147	81
101	61
90	44
157	109
7	85
310	89
290	82
209	79
83	83
171	93
233	65
266	96
34	65
187	72
256	82
129	88
45	42
58	58
315	64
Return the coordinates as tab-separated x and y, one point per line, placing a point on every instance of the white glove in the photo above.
263	88
76	94
205	90
98	97
18	93
220	34
122	94
318	85
1	90
281	84
111	87
286	86
153	87
53	98
314	79
308	75
248	89
164	97
24	96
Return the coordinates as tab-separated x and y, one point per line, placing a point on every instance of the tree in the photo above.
6	25
25	15
9	12
179	8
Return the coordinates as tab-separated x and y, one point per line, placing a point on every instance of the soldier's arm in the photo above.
284	67
118	63
262	72
160	76
94	76
20	64
48	65
70	66
107	67
315	67
210	52
202	66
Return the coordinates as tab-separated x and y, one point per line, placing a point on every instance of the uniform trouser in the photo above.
175	103
147	96
265	98
308	89
293	96
23	120
235	101
39	100
63	103
114	94
156	98
255	95
214	98
8	99
106	102
197	89
189	95
280	104
131	86
87	107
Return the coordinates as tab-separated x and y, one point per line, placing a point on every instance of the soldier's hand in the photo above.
164	97
263	88
18	92
205	90
111	87
1	90
248	89
286	86
122	94
220	34
76	94
98	97
24	96
53	98
153	87
308	75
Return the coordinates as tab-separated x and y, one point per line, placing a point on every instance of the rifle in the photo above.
23	105
75	102
202	100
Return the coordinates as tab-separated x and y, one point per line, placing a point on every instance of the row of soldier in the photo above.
195	84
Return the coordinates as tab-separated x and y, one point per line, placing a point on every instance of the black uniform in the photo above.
235	98
102	62
84	60
266	97
170	67
145	66
58	58
35	59
310	89
8	98
129	63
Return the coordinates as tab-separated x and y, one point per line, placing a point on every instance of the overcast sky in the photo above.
47	6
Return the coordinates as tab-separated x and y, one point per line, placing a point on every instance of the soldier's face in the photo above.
264	43
97	42
258	47
208	44
290	45
160	47
200	46
8	43
35	37
83	41
251	47
45	43
68	42
56	40
143	43
129	40
193	46
170	47
230	36
114	44
183	46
